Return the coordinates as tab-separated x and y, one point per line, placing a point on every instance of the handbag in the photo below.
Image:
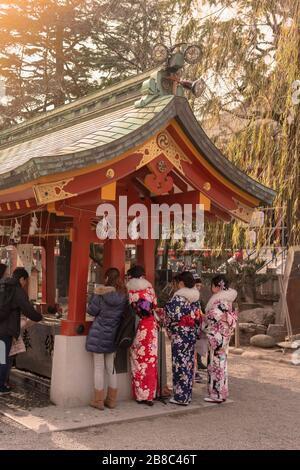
17	346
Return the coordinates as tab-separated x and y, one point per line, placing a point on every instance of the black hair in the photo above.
3	268
20	272
220	281
136	272
187	278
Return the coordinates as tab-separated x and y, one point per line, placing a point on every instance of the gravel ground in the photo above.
265	415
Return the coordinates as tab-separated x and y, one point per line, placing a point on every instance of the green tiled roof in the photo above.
85	135
102	102
100	127
133	118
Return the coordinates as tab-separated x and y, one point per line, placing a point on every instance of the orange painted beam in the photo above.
78	278
108	192
17	207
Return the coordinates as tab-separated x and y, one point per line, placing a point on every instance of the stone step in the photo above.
30	380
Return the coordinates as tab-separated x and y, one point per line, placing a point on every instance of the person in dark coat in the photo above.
10	325
3	270
107	306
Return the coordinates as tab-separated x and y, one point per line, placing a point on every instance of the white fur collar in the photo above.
138	284
101	289
228	295
191	294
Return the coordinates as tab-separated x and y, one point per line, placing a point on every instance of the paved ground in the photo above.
45	417
264	415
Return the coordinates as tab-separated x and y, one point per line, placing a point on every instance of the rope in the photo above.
7	219
285	308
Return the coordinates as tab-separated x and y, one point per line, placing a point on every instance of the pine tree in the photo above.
44	56
54	51
125	36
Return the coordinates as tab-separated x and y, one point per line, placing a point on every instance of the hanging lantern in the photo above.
160	251
57	248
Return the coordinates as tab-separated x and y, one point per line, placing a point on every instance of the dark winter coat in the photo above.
20	304
107	309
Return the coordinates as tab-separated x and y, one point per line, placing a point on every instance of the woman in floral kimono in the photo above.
181	320
220	321
143	352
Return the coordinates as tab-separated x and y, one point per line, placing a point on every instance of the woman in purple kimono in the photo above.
220	321
181	320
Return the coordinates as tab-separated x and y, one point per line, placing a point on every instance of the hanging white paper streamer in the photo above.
33	225
25	254
16	233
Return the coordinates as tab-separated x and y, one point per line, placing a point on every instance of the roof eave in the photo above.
177	108
201	141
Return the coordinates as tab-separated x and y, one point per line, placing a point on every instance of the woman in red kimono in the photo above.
143	352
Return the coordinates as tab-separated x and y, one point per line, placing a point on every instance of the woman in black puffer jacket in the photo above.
107	306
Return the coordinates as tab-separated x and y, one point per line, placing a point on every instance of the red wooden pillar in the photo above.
146	258
75	323
50	271
114	255
44	276
140	254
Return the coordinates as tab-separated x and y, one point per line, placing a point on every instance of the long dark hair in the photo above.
3	268
113	278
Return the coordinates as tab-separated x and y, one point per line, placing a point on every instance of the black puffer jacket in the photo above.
107	310
19	304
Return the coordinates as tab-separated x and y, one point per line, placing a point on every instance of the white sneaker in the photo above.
213	400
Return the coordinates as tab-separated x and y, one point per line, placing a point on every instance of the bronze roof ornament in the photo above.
167	80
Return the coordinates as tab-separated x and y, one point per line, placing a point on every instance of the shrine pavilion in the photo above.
137	139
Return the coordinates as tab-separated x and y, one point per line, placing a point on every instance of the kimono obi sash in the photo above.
187	321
